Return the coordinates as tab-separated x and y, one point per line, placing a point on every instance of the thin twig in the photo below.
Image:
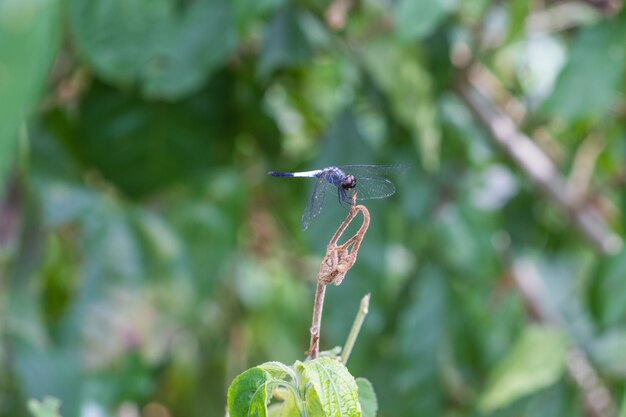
356	328
337	262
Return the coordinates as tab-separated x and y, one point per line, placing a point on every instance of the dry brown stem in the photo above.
336	263
340	258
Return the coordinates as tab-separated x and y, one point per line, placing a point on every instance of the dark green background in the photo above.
146	257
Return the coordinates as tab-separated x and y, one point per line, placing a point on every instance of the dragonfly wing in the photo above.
316	202
368	188
374	170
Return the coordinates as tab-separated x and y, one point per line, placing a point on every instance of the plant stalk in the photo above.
318	305
356	328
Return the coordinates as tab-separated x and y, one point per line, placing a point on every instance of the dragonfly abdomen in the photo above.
280	174
306	174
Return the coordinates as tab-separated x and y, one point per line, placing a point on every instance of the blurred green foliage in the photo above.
49	407
146	259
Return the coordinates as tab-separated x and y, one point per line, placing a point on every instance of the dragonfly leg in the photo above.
343	196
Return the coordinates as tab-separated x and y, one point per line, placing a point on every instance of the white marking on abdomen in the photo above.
307	173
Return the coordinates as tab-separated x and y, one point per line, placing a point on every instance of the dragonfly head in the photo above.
348	182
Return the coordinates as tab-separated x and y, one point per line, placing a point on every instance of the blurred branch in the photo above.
596	396
606	6
337	12
583	167
487	83
560	17
490	86
505	134
9	211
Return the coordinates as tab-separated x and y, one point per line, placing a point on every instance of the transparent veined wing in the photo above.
371	171
370	181
316	202
371	188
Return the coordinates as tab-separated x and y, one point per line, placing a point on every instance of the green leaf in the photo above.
248	13
112	233
288	407
420	342
367	398
595	71
554	401
416	19
393	67
608	352
116	37
247	395
55	176
49	407
250	392
160	143
169	50
335	387
517	12
535	362
608	294
33	364
285	43
29	33
278	370
622	411
196	47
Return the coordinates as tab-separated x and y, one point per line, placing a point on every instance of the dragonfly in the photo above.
368	181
